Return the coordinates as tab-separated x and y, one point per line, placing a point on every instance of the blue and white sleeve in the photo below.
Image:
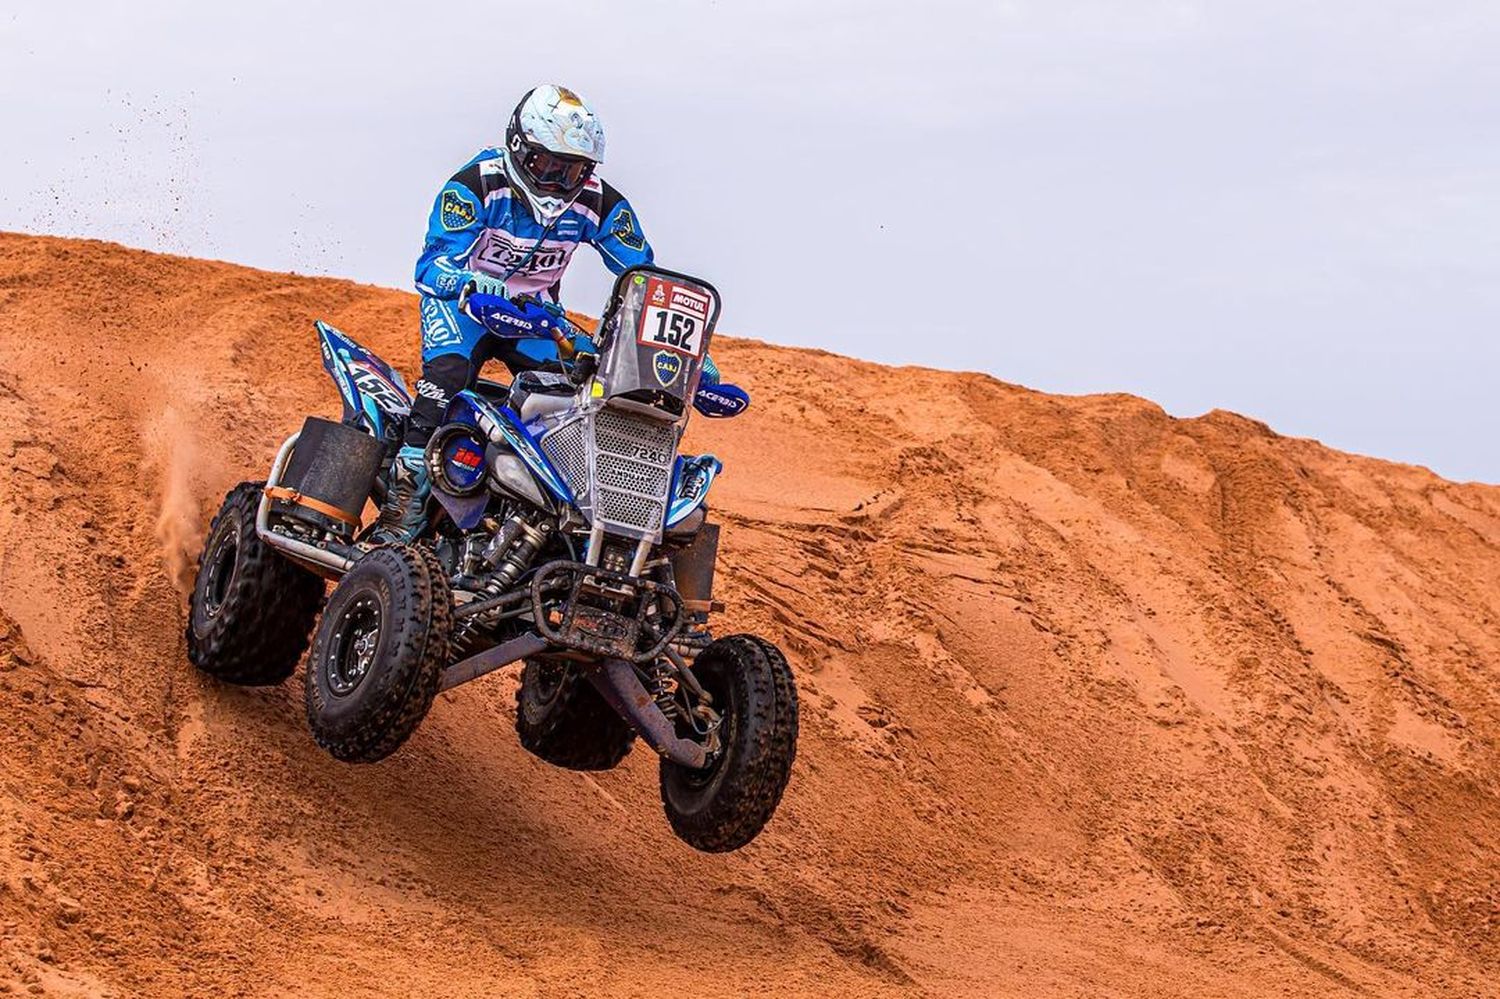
452	230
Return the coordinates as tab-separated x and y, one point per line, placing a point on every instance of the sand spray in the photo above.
175	457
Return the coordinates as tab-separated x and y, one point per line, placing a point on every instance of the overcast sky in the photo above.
1288	209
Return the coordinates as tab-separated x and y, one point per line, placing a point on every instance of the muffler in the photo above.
328	477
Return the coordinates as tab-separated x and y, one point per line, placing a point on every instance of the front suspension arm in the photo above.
615	679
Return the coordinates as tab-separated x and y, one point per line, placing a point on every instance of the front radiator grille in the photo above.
619	466
628	434
621	509
568	452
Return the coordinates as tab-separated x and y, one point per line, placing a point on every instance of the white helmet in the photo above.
552	144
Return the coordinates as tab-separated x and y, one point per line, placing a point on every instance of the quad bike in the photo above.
567	533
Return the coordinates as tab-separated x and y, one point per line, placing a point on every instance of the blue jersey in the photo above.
479	224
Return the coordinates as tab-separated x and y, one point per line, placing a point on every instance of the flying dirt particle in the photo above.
172	451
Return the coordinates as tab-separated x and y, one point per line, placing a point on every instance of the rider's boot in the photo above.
404	513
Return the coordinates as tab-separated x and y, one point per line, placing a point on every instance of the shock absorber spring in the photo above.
663	687
512	551
507	555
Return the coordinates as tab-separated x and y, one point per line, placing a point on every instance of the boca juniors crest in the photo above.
457	211
667	366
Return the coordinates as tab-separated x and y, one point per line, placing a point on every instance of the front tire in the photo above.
251	610
724	805
562	719
379	652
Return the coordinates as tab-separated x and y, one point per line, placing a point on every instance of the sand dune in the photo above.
1095	701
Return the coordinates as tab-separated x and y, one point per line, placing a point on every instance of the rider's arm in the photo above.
452	229
618	238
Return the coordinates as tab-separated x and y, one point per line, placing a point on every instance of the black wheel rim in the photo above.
354	646
223	563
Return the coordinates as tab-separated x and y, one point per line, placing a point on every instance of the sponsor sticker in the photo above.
464	461
437	329
690	301
372	382
666	366
500	252
625	231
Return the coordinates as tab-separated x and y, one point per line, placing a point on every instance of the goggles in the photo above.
555	174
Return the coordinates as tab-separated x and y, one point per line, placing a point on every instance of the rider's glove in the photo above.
480	284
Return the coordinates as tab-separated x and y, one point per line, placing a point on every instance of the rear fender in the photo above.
373	392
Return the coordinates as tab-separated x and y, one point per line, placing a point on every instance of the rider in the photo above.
506	224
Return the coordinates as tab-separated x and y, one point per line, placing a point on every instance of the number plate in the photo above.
674	317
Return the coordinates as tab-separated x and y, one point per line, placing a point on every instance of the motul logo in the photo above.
689	302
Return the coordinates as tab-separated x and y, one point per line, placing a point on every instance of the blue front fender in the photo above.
692	477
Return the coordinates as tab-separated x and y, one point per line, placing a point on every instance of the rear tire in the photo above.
562	719
725	805
251	610
379	653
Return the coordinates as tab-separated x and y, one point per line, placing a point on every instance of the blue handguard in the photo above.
521	319
718	399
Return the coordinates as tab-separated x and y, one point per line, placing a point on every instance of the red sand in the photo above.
1096	701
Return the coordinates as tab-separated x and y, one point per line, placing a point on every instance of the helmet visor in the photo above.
552	173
